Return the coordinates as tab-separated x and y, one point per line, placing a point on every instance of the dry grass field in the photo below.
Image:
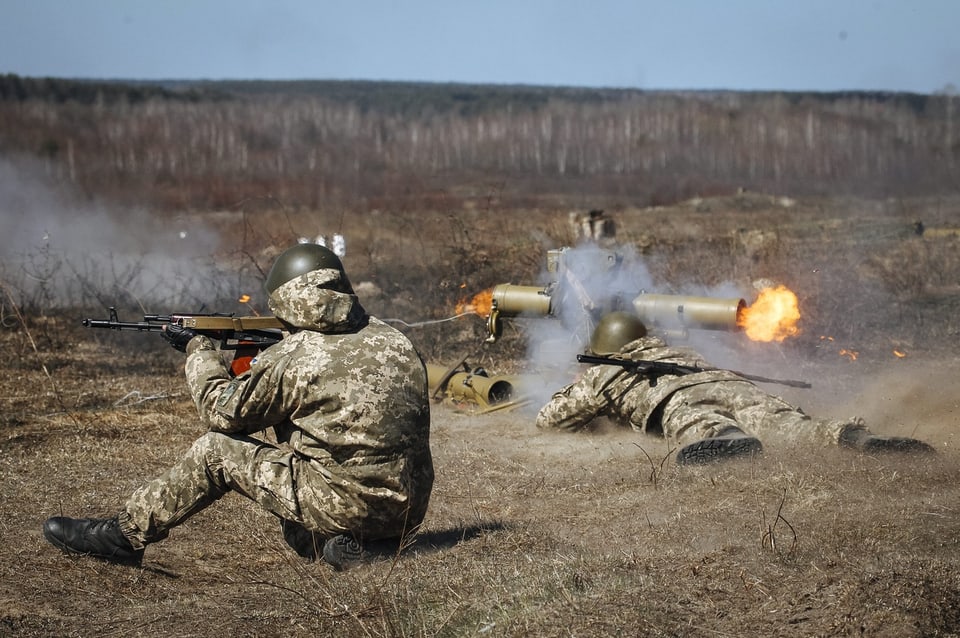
533	533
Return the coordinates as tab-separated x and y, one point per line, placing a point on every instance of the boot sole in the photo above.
895	445
343	552
718	449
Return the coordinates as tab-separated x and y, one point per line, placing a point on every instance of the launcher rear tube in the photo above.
685	311
512	300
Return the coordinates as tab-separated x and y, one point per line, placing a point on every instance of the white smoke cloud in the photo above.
607	278
55	249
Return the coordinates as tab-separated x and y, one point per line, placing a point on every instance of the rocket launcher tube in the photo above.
510	300
471	387
479	389
685	311
437	376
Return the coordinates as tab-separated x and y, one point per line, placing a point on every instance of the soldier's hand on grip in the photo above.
177	336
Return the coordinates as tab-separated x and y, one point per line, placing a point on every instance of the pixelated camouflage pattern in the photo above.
318	300
685	408
347	399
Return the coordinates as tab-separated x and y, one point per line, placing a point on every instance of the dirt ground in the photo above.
528	533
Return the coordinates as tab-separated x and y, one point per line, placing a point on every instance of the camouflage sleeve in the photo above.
247	403
572	408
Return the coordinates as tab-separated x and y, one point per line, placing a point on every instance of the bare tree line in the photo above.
310	149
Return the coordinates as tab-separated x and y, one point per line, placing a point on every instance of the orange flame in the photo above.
480	304
899	354
853	354
244	298
772	317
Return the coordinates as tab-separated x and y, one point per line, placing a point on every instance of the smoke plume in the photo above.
600	279
57	251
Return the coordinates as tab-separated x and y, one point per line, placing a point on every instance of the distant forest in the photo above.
200	145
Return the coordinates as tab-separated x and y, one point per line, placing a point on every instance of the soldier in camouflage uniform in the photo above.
709	415
347	398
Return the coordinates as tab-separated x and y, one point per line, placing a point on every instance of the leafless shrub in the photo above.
768	538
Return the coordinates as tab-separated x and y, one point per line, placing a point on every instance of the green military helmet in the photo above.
300	260
615	330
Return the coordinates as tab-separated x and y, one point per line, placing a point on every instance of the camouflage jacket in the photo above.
347	392
623	395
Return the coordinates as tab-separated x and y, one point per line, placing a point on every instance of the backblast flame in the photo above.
480	304
772	317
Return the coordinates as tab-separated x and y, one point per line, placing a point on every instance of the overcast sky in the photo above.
824	45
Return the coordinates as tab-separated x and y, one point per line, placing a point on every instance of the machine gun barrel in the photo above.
114	324
643	366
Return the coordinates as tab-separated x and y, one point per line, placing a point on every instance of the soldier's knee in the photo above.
212	447
210	441
238	448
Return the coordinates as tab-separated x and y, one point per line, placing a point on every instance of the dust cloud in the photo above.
914	397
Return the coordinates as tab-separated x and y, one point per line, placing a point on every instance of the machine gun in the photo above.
244	335
579	294
654	368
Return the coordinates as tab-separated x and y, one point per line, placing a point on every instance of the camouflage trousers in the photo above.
702	411
216	464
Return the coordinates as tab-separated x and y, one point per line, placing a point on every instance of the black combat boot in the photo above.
859	438
729	443
97	537
343	551
304	542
